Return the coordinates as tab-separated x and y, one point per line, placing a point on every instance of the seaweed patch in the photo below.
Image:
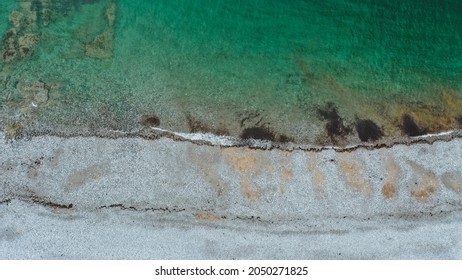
368	130
285	139
410	128
260	133
150	120
335	125
459	119
196	126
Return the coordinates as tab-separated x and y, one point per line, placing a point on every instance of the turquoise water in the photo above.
318	72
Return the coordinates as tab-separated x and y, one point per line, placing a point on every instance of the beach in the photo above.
134	198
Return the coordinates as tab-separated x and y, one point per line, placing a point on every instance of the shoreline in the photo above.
210	139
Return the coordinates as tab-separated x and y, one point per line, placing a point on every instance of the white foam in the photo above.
210	138
219	140
430	135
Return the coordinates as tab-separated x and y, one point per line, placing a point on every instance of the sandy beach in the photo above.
132	198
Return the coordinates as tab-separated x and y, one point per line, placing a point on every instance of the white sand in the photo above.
134	198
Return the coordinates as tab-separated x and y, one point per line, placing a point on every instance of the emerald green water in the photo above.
304	71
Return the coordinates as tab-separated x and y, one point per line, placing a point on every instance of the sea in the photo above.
320	72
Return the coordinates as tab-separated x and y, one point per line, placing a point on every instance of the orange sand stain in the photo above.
354	173
92	173
249	190
389	190
424	186
207	216
207	160
318	178
248	163
286	172
423	193
393	171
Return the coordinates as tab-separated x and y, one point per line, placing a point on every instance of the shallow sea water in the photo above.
310	72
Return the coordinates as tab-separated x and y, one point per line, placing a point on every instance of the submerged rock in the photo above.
36	92
16	18
9	55
8	44
102	45
111	14
21	40
27	44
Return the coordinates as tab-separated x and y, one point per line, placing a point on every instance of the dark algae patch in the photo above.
335	126
150	120
285	139
459	119
368	130
196	126
260	133
410	128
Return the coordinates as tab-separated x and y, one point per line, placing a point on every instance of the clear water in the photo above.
317	72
